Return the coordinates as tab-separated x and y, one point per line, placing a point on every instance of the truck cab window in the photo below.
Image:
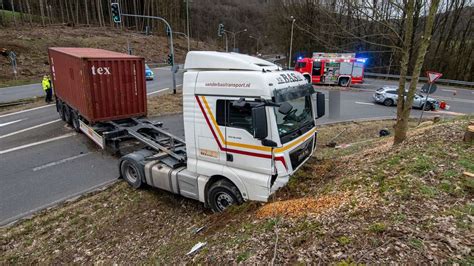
236	117
316	68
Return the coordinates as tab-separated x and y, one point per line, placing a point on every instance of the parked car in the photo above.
388	96
149	75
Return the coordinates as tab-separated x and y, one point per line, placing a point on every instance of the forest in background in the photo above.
372	29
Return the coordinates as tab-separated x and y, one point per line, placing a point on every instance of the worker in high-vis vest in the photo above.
47	89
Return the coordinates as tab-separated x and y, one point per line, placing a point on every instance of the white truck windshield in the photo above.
294	124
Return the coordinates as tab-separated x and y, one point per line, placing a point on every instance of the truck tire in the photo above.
132	172
67	114
75	121
60	111
308	78
223	194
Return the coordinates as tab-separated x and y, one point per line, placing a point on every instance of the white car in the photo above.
388	96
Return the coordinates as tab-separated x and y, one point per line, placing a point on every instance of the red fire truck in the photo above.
342	69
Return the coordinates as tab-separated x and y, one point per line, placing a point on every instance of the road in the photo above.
162	80
43	162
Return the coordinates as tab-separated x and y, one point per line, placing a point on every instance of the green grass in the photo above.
377	228
343	240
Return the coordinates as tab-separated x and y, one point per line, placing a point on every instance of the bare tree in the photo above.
404	104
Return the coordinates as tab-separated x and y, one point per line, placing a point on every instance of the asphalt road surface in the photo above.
43	162
162	80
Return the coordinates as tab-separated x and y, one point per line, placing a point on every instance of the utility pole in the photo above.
291	40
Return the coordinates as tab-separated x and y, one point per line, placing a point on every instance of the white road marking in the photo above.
60	162
11	122
449	90
158	91
37	143
27	110
29	128
364	103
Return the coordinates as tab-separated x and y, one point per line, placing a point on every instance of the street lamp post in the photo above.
187	24
226	42
173	67
257	39
234	34
291	40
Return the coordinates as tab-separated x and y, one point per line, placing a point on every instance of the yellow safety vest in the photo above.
46	84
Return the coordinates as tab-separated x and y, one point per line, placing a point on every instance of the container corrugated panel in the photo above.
101	85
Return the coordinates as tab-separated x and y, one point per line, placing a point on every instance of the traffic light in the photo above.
116	17
168	32
220	30
170	59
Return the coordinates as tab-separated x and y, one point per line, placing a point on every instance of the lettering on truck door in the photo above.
209	148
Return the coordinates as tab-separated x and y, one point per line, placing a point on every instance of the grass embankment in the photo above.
371	204
30	43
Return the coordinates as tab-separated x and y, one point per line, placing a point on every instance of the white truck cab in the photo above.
248	127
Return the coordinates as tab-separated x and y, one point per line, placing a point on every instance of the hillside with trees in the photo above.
372	29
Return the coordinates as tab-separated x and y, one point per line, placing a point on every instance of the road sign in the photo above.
429	88
433	76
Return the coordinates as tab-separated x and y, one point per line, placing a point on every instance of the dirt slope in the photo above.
31	44
367	203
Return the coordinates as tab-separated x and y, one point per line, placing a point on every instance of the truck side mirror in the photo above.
259	121
320	104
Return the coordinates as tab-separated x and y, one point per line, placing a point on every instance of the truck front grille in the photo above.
298	155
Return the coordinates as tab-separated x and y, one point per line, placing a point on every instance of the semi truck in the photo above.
341	69
248	126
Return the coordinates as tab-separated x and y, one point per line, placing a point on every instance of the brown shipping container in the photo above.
101	85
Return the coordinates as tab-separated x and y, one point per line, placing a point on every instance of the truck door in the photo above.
316	71
244	153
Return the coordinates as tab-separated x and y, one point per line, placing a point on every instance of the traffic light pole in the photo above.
173	70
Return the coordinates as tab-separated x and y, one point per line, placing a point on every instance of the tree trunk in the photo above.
404	105
87	12
42	11
61	9
28	8
135	12
402	122
13	14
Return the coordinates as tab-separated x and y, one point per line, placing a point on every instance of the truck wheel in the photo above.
308	78
132	172
67	114
222	194
61	111
388	102
344	82
75	122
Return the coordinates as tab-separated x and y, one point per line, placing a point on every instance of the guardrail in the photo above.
443	81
